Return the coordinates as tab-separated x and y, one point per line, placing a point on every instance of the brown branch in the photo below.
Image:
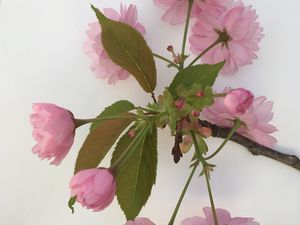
253	147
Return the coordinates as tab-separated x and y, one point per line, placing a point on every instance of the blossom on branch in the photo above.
94	188
54	131
223	216
256	119
176	10
242	31
102	65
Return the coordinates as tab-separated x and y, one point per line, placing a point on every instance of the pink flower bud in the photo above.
238	100
170	48
200	93
195	113
131	133
94	188
179	103
53	129
140	221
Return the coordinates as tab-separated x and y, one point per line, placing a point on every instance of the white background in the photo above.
41	60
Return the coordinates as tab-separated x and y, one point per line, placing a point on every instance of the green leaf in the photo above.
137	175
71	203
115	109
99	142
127	48
204	75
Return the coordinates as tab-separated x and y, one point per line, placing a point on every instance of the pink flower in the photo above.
223	216
140	221
102	65
54	130
94	188
176	10
243	34
256	119
238	100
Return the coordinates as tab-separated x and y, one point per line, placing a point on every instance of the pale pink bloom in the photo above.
94	188
240	24
176	10
140	221
256	118
223	216
102	65
53	129
238	100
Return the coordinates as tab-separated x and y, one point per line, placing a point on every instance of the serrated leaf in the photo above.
99	142
204	75
127	48
117	108
137	175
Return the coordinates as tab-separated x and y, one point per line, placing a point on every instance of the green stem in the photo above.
213	208
81	122
172	220
130	149
218	41
237	124
204	164
186	28
166	60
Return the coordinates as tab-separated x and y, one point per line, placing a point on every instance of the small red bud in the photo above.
170	48
131	133
200	93
195	113
179	103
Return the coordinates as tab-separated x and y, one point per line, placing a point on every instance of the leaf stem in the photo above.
166	60
172	220
204	164
237	124
218	41
187	22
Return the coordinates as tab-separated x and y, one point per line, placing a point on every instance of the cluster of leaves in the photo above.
136	175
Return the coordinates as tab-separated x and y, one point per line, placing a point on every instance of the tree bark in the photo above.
253	147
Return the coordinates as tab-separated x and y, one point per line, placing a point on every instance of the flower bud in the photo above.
200	93
54	131
179	103
94	188
170	48
238	100
205	131
195	113
131	133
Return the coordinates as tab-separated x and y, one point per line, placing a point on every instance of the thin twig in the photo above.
253	147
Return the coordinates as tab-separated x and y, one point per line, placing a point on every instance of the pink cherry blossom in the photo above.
102	65
238	100
140	221
94	188
176	10
54	130
243	33
223	216
256	118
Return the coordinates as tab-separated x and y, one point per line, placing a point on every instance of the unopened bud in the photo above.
200	93
170	48
131	133
179	103
195	113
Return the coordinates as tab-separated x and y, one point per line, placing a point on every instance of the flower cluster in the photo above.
226	35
